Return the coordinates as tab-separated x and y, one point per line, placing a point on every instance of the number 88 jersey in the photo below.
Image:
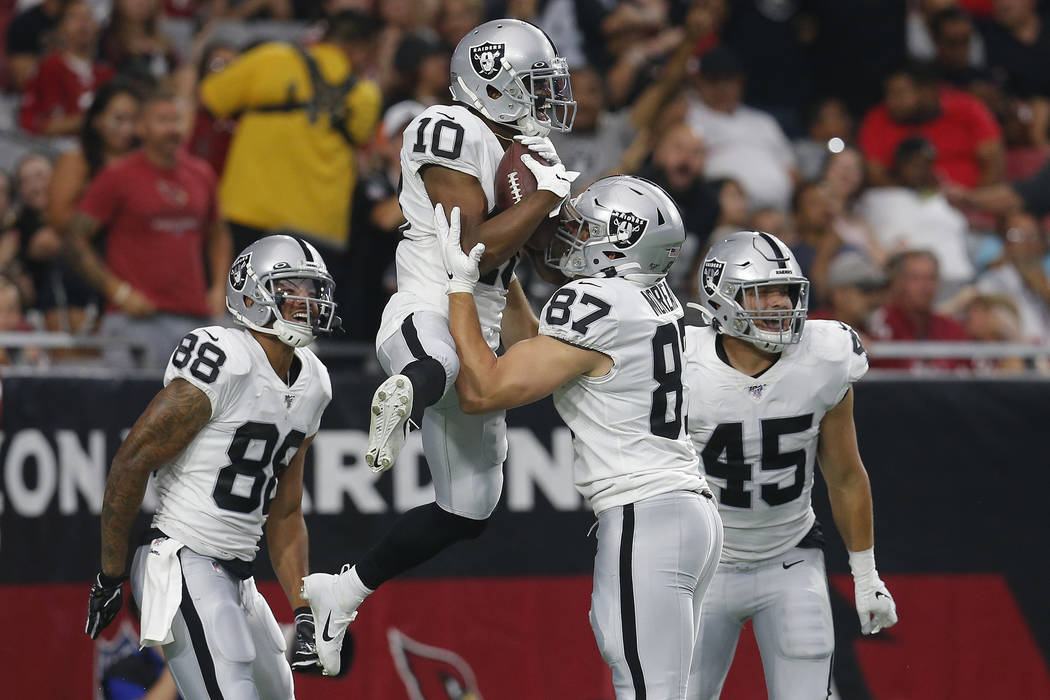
215	495
758	436
629	440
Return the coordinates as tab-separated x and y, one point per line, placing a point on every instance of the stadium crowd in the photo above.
900	148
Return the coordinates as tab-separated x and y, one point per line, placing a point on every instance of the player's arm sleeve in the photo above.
856	364
582	315
207	359
326	384
364	102
433	138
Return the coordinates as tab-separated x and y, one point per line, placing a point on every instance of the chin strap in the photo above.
709	316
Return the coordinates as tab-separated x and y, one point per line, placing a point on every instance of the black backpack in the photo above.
326	98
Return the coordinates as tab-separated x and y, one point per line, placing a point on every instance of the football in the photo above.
514	181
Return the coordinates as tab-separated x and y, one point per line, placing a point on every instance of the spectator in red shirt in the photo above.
967	138
159	207
63	87
909	315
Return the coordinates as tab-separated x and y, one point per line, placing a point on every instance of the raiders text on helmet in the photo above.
622	226
731	283
265	275
510	71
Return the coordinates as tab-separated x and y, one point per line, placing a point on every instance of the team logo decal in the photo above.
239	271
626	228
431	673
712	275
756	390
485	59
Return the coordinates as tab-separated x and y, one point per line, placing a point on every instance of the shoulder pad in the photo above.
581	313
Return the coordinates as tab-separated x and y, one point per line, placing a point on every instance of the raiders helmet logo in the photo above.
626	228
486	59
712	275
239	271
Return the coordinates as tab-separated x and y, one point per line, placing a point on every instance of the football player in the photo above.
508	81
226	438
766	401
610	350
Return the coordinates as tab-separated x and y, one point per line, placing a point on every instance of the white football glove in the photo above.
462	269
541	146
875	605
553	178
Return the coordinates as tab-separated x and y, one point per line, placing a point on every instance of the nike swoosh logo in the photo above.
211	336
880	594
324	632
449	275
788	566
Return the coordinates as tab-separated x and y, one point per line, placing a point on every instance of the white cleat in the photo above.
330	621
390	415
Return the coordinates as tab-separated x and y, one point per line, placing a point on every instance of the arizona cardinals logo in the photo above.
239	271
626	228
431	673
486	59
712	275
173	194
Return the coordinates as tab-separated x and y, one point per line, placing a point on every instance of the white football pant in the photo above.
787	601
465	453
224	647
655	560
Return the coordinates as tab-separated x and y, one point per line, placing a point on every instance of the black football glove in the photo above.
304	653
103	603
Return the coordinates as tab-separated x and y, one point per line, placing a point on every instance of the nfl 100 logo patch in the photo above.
756	390
486	59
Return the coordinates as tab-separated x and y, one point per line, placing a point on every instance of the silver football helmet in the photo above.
621	226
734	290
279	270
510	71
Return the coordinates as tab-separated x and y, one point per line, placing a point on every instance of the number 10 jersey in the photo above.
629	441
215	495
758	436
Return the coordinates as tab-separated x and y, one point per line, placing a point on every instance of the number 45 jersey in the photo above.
214	496
629	441
757	436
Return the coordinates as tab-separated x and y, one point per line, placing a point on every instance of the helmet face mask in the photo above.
620	226
753	289
509	71
279	285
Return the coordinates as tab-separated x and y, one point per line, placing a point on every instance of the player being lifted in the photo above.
766	401
227	437
509	82
610	349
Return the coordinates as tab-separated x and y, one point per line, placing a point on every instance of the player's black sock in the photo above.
428	384
417	536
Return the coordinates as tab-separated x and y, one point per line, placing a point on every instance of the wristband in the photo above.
862	564
111	581
303	610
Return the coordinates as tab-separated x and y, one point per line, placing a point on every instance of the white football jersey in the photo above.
214	496
629	440
452	137
757	436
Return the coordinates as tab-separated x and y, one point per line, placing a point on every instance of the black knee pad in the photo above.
428	384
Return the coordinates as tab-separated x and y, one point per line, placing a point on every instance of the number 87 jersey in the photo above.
215	495
758	436
629	440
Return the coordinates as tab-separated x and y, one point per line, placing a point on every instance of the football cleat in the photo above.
390	421
330	620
